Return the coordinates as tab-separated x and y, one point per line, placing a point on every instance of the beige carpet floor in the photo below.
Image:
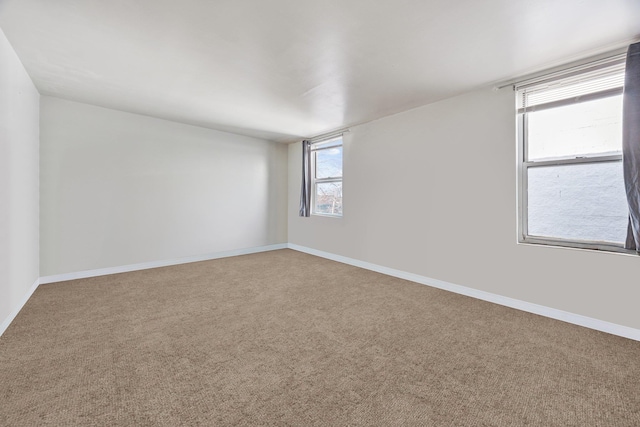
284	338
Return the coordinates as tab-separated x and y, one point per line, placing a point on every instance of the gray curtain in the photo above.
631	144
305	192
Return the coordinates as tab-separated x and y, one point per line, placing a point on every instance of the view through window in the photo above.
326	167
572	189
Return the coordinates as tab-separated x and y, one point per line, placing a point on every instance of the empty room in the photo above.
335	213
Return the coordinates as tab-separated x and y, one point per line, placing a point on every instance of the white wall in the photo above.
18	183
432	191
119	188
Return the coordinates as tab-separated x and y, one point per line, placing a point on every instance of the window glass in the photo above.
583	129
327	177
328	198
329	163
578	202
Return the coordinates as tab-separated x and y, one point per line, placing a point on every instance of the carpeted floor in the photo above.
285	338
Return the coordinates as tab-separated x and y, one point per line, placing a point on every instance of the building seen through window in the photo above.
572	187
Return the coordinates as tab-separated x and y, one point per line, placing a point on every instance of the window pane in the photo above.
328	198
587	128
580	202
329	163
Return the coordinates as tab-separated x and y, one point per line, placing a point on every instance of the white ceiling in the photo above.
285	69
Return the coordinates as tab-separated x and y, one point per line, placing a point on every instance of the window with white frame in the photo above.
572	191
326	177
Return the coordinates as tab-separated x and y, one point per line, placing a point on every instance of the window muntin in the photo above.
570	138
326	180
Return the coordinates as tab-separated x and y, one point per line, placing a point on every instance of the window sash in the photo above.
315	168
324	180
574	160
523	117
525	237
314	194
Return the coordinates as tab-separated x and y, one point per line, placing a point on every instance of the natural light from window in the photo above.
327	177
572	166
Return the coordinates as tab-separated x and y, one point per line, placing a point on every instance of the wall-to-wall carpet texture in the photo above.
286	338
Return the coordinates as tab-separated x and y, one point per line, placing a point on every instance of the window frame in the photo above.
313	149
524	164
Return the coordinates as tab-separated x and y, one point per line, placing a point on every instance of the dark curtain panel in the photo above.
631	144
305	192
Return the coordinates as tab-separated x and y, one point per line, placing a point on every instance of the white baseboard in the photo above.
132	267
6	322
576	319
156	264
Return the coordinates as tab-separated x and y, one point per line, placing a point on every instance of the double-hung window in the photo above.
572	191
326	177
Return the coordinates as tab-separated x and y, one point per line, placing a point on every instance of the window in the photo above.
572	191
326	177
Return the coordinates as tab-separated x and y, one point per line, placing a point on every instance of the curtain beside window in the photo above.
305	192
631	144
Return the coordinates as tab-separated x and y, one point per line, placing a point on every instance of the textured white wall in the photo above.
120	188
18	181
432	191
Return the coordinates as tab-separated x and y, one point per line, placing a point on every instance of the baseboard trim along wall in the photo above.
6	322
156	264
576	319
132	267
